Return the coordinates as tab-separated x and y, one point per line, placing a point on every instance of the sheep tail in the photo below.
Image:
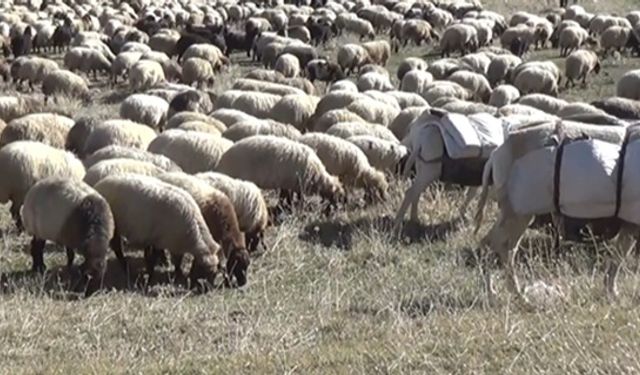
486	180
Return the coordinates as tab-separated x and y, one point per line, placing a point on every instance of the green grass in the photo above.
333	295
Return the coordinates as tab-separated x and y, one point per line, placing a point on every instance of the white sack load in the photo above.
588	177
473	136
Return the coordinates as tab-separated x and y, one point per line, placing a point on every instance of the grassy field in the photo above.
333	295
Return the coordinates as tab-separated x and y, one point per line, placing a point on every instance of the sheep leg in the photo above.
151	255
425	176
176	259
624	243
70	257
37	246
116	245
15	214
503	239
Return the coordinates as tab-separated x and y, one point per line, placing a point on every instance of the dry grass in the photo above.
332	295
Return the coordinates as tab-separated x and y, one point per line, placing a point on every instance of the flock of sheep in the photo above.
185	168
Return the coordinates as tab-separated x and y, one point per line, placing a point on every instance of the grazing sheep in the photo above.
303	52
622	108
71	214
416	81
579	64
379	51
536	80
474	82
123	63
65	83
577	108
500	67
504	95
325	71
459	37
374	81
191	100
628	85
286	165
152	214
48	128
322	122
417	31
228	116
442	89
254	103
248	202
120	166
198	71
145	74
118	132
145	109
337	99
614	38
87	60
32	69
120	152
245	84
288	65
360	27
374	111
343	84
351	57
241	130
571	38
189	116
193	151
77	136
401	124
23	163
221	219
349	129
409	64
207	52
382	155
443	68
406	99
346	161
294	110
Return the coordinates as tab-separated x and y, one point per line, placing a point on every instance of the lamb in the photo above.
504	95
65	83
220	216
571	38
288	65
145	109
248	202
474	82
619	107
294	110
374	81
352	57
245	129
120	166
500	67
193	151
416	81
254	103
579	64
118	132
409	64
382	155
346	161
401	124
459	37
145	74
286	165
198	71
71	214
188	116
120	152
23	163
48	128
151	213
379	51
349	129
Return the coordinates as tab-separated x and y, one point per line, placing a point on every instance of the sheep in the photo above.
151	213
207	52
245	84
286	165
120	152
288	65
417	31
360	27
549	66
123	63
248	202
477	62
23	163
500	67
522	33
48	128
517	109
406	99
401	124
455	105
337	99
577	108
198	71
571	38
145	109
241	130
120	166
254	103
145	74
71	214
382	155
303	52
349	129
503	95
374	81
191	100
346	161
294	110
192	151
118	132
614	38
352	57
384	98
379	51
536	80
441	89
416	81
189	116
324	71
579	64
229	117
65	83
620	107
504	236
33	70
221	219
474	82
409	64
322	122
373	111
459	37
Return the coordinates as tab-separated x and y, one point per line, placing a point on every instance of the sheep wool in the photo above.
187	116
48	128
120	152
382	155
118	132
119	166
192	151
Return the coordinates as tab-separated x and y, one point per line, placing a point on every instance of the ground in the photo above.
334	295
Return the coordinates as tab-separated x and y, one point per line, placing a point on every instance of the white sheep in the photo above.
197	70
379	51
120	166
118	132
207	52
123	63
407	99
189	116
503	95
322	122
374	111
23	163
614	38
294	110
246	84
120	152
17	106
571	38
409	64
145	109
536	80
192	151
416	81
145	74
459	37
71	214
441	89
33	70
401	124
87	60
474	82
374	81
228	116
500	67
351	57
152	213
343	84
288	65
579	64
245	129
49	128
628	85
65	83
349	129
383	155
254	103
